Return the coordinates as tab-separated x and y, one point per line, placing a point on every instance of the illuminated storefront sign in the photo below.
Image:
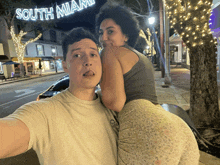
62	10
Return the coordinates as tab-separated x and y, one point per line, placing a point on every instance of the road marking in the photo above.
20	98
6	107
26	92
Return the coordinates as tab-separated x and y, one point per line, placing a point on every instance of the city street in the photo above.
16	94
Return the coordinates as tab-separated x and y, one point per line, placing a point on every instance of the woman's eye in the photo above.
93	55
110	32
100	32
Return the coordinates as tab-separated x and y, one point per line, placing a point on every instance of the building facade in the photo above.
47	51
215	27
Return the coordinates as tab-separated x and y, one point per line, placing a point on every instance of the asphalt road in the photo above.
14	95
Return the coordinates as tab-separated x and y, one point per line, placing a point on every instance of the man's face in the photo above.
83	65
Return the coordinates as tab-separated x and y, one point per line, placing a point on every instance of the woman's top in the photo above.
139	81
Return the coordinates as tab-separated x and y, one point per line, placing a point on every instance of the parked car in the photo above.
57	87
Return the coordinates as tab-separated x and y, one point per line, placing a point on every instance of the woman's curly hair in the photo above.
123	17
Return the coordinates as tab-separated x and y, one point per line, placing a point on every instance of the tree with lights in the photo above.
190	19
20	46
7	11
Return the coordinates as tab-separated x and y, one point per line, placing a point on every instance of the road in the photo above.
14	95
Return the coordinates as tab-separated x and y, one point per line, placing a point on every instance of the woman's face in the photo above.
110	31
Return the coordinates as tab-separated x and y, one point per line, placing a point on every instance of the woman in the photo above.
148	134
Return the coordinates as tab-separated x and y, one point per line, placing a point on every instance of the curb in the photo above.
28	78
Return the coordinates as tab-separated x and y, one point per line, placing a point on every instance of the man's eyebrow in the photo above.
80	48
75	49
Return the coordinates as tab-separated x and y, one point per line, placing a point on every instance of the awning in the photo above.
47	58
26	58
10	63
4	58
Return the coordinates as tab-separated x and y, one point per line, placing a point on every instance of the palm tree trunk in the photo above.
204	107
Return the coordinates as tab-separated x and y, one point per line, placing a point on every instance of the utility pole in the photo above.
161	38
167	47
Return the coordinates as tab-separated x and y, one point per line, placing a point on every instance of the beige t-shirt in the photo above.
65	130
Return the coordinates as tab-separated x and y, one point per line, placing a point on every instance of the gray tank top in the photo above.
139	81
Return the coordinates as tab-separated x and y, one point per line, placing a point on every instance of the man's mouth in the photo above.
89	73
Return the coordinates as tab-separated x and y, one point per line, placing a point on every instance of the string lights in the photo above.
19	45
191	19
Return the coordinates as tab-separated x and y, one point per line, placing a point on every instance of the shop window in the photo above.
53	51
30	67
40	50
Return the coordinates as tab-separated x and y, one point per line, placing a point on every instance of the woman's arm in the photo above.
112	82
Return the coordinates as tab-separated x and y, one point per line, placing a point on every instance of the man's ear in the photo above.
64	63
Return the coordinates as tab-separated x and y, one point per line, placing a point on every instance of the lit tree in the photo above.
20	46
190	19
7	11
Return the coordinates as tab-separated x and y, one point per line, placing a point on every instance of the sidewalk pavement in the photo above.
8	81
178	93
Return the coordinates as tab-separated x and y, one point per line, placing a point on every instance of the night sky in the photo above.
85	18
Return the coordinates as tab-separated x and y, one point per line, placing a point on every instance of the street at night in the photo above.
16	94
38	40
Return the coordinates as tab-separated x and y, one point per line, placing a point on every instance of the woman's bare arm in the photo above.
112	82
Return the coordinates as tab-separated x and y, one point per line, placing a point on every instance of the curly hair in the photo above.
123	17
75	35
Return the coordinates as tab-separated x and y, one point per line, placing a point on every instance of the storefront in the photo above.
30	65
215	28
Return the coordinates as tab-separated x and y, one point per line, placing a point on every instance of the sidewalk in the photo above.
178	93
8	81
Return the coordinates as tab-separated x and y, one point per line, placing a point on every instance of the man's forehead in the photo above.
83	44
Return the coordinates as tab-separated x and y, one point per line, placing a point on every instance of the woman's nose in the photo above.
103	37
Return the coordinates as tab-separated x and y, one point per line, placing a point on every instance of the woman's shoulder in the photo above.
123	51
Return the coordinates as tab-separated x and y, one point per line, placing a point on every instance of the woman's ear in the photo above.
126	39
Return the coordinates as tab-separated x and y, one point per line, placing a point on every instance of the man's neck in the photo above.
84	94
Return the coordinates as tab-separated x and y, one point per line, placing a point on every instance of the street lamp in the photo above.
151	20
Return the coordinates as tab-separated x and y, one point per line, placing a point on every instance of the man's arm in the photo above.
14	137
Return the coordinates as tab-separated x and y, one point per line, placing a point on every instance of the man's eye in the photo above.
76	55
93	55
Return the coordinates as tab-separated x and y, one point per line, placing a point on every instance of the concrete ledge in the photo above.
207	159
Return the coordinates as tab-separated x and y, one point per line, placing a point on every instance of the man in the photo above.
72	127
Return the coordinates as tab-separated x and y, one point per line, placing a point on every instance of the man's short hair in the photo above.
75	35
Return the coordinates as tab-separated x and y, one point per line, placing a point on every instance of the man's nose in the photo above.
87	61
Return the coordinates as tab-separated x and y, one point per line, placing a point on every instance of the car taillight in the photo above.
38	98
